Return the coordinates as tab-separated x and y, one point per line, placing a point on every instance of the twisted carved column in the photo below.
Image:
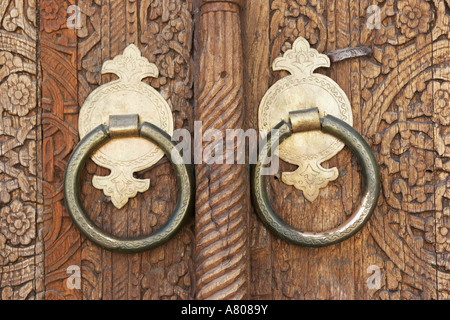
221	257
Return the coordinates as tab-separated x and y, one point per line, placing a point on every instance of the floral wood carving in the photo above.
402	94
72	60
20	203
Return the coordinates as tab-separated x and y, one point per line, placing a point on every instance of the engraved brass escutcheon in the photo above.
126	95
304	89
370	172
127	126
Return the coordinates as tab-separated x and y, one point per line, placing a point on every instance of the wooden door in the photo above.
214	59
400	105
68	44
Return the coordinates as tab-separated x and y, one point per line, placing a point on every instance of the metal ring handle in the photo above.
92	141
371	190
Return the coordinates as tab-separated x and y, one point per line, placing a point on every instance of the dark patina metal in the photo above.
185	201
370	192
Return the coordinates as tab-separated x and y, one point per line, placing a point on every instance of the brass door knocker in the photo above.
314	119
304	121
126	126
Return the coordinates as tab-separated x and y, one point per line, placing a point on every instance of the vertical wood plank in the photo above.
221	256
391	94
441	130
256	49
58	47
360	275
163	32
21	260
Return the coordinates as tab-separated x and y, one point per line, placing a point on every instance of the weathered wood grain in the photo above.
400	106
221	252
72	60
163	34
256	47
400	101
59	122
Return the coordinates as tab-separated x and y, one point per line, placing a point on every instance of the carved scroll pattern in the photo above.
406	105
21	262
162	30
400	96
59	108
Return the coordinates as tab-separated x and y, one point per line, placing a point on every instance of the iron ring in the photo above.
371	190
185	201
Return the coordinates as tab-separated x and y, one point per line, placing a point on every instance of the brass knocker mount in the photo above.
306	121
313	117
126	126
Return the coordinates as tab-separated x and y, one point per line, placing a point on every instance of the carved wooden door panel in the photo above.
43	255
71	61
400	103
51	53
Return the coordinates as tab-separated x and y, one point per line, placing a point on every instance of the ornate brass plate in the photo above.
304	89
127	95
356	143
127	125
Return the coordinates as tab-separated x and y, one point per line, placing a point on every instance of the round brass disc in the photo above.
121	99
290	94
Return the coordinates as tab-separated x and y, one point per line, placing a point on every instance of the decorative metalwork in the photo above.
304	89
340	130
95	140
126	95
